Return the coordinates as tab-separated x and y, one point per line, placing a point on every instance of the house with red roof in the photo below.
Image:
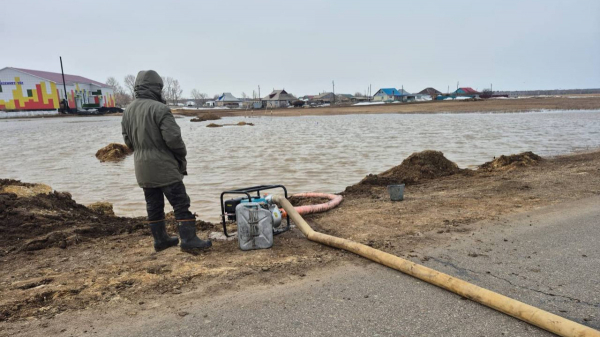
31	90
467	92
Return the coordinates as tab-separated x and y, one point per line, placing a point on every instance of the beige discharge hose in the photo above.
530	314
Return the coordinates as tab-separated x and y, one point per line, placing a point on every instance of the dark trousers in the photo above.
178	198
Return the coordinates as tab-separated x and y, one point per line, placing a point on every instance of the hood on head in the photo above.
148	84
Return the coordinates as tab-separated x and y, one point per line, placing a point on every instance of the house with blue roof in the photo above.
392	94
227	99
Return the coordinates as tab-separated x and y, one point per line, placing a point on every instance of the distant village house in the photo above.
467	92
279	99
326	97
393	94
228	100
431	92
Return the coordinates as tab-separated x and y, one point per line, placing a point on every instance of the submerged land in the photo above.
59	257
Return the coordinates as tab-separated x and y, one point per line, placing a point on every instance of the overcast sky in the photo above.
236	45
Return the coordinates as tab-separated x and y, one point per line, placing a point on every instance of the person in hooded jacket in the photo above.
150	130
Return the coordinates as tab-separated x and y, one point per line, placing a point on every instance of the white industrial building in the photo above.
33	90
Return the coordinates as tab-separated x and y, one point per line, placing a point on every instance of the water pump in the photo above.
258	218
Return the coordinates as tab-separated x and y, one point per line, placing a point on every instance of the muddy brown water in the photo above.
313	153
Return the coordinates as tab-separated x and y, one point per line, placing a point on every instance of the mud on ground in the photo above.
447	203
59	256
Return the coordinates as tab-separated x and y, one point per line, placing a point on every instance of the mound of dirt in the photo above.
213	125
23	189
113	152
507	163
102	207
244	123
52	220
417	167
205	117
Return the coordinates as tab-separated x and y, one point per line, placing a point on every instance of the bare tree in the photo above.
114	84
163	92
216	96
486	93
358	94
121	98
198	96
177	91
130	85
167	92
244	96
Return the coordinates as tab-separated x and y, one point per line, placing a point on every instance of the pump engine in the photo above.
258	218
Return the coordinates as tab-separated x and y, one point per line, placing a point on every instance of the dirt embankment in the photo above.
414	169
45	219
507	163
428	165
58	255
442	199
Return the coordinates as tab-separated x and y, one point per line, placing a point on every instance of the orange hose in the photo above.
334	200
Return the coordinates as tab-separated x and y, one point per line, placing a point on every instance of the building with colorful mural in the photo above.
31	90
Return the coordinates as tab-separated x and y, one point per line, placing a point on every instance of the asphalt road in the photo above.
549	258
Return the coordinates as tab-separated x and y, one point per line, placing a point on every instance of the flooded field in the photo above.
320	153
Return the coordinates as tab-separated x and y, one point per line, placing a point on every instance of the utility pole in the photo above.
333	84
66	102
402	97
259	98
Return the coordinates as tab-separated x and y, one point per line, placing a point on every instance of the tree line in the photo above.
172	91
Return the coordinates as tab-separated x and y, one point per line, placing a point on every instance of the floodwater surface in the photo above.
316	153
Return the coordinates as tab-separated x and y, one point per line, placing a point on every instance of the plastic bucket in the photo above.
396	192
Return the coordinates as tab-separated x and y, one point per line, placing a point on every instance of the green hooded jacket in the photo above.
150	130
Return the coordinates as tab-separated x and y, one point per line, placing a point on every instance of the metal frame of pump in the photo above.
246	191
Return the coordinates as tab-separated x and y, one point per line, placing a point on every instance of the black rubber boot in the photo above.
162	240
189	239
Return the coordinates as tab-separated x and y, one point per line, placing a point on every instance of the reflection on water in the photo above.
319	153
